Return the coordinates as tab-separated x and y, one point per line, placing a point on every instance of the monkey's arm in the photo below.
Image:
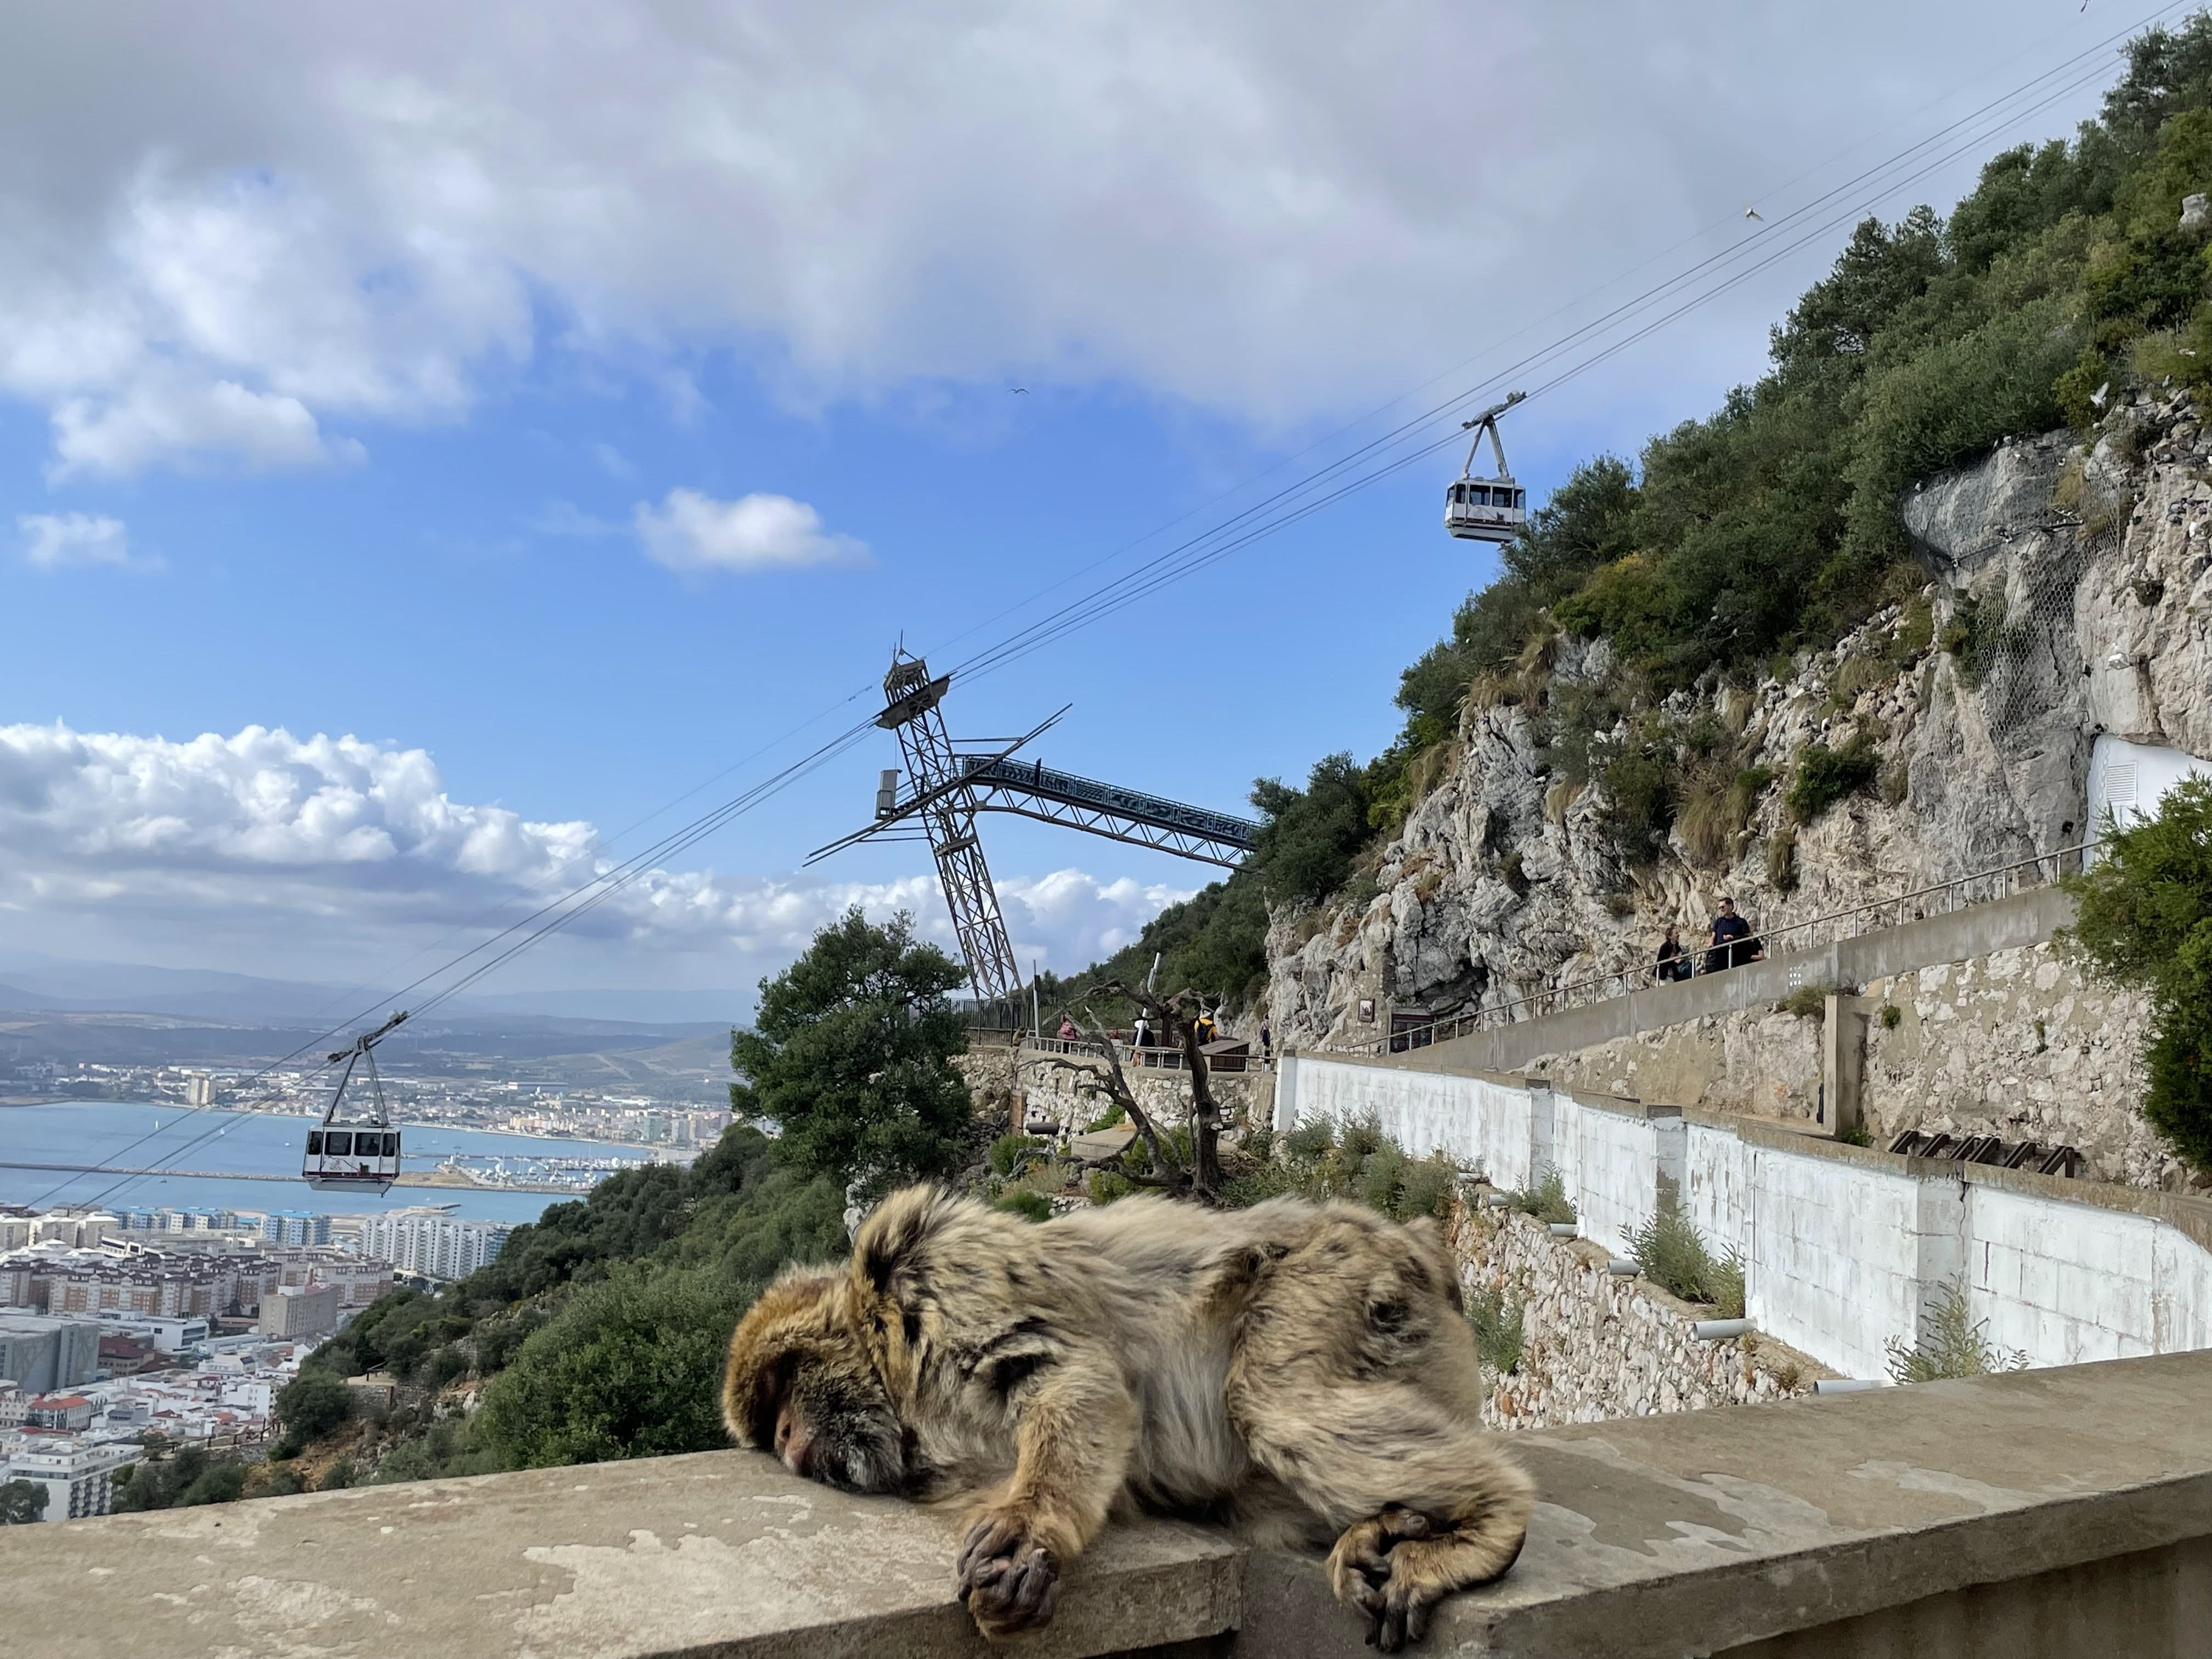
1075	1431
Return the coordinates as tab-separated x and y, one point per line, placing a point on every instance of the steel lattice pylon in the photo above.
910	700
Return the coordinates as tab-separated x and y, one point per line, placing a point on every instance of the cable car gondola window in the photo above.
338	1143
314	1143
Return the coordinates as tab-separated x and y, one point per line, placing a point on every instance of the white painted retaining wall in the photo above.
1843	1248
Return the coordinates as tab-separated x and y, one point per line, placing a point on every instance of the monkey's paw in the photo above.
1374	1568
1008	1578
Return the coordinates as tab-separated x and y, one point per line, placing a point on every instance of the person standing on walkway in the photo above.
1733	943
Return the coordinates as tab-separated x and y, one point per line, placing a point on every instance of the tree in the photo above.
22	1502
2146	920
312	1404
850	1054
1191	1171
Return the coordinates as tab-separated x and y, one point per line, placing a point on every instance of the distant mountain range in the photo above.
33	982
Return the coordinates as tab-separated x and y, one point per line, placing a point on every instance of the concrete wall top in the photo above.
1658	1536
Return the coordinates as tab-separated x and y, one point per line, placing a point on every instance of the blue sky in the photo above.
563	417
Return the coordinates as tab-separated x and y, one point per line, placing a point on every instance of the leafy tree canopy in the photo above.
22	1502
850	1054
2146	918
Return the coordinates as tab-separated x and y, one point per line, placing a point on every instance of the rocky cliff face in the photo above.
2070	594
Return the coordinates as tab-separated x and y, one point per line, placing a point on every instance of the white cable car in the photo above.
360	1154
1479	509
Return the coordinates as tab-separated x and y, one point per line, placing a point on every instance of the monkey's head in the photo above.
801	1384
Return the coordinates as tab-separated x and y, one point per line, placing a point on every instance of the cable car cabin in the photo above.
362	1156
1485	509
364	1160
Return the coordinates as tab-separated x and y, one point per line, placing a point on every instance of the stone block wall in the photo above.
1595	1347
1064	1088
2022	1043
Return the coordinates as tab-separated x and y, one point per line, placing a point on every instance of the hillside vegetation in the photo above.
1772	525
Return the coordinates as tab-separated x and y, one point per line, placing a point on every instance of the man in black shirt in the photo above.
1733	943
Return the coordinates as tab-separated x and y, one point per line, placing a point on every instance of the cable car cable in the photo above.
1161	571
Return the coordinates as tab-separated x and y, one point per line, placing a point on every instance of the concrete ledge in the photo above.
721	1553
1831	1525
1709	1531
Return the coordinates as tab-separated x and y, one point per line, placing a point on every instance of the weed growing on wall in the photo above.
1497	1326
1671	1253
1956	1343
1545	1199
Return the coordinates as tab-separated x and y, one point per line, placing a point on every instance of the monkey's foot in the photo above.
1396	1567
1008	1578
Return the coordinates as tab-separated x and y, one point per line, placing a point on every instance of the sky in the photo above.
444	450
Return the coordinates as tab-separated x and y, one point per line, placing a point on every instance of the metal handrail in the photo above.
1620	981
1063	1045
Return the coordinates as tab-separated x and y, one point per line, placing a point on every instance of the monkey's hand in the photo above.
1008	1573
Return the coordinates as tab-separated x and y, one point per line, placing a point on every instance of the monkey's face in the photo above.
801	1384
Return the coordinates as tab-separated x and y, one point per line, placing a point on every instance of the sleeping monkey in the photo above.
1304	1370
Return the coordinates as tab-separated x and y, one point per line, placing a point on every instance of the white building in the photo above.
79	1476
430	1240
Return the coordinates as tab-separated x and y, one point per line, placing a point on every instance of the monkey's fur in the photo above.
1303	1370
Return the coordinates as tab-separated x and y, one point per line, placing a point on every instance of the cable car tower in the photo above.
953	783
358	1154
1486	509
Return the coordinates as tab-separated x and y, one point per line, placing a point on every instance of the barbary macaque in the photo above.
1304	1370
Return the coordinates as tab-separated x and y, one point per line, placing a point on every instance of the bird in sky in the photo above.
1751	212
1017	388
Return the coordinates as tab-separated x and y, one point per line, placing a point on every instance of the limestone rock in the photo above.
2086	571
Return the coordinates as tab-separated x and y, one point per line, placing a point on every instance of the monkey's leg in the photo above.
1074	1431
1426	1504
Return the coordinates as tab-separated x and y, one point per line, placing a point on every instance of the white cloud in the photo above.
613	462
163	418
691	531
53	541
263	852
1270	209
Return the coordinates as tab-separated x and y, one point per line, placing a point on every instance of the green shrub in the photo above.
1113	1118
2145	920
1892	1016
1826	776
1010	1152
1670	1252
1499	1329
1857	1135
1972	636
1956	1343
1023	1201
1545	1199
1807	1002
1105	1187
628	1368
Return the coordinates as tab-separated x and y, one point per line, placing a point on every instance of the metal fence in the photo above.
1981	887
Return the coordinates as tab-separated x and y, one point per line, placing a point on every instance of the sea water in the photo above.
153	1137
